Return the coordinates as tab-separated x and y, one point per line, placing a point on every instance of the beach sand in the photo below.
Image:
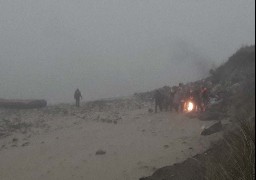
118	140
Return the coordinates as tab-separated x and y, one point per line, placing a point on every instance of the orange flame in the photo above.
190	106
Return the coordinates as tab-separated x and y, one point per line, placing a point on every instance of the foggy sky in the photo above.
110	48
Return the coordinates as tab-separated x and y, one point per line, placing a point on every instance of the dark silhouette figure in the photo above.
171	100
168	100
77	97
158	101
177	100
204	98
197	99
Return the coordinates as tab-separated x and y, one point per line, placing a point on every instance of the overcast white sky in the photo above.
115	47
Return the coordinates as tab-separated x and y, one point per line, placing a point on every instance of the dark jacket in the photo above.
77	94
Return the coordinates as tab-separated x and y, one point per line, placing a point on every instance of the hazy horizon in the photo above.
115	48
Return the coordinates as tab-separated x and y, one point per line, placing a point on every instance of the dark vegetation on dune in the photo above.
233	157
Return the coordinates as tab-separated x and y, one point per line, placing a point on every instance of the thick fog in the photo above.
110	48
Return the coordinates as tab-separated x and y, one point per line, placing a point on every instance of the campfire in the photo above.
189	106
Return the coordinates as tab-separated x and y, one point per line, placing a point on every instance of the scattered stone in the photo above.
2	134
166	146
150	110
217	127
100	152
29	136
25	144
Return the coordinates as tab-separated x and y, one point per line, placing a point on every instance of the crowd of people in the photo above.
176	98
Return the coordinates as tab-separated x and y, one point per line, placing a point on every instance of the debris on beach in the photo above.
100	152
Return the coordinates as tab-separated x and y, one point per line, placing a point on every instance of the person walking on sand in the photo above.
77	97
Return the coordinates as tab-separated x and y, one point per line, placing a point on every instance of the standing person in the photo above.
77	97
197	99
172	93
182	98
204	98
158	100
167	101
177	100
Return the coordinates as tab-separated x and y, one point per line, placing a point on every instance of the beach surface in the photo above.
110	140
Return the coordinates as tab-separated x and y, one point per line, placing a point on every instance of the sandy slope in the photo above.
62	146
